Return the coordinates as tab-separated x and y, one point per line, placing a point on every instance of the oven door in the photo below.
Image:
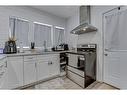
73	59
76	61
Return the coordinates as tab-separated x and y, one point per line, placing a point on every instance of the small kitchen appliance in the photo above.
61	47
10	47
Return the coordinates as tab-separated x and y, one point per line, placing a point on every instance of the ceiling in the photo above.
61	11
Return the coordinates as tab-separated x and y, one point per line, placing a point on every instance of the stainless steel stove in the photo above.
83	61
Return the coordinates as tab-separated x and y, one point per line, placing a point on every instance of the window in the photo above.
19	29
58	35
42	33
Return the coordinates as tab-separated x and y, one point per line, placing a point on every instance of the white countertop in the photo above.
2	56
27	53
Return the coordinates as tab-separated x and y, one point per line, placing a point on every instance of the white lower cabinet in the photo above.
15	72
29	69
42	70
3	74
47	66
54	66
24	70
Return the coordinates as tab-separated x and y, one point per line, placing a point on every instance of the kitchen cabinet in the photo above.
29	69
54	66
3	73
47	66
42	70
15	71
24	70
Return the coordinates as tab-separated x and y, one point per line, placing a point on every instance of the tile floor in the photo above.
100	86
65	83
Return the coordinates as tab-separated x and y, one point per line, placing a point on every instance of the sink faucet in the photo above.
45	48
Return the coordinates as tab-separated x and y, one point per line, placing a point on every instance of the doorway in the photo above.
115	47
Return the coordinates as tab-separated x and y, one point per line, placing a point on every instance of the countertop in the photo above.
28	53
2	56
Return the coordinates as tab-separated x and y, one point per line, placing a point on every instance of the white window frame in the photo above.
19	18
60	28
39	23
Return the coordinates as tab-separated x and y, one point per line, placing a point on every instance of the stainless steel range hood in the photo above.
85	25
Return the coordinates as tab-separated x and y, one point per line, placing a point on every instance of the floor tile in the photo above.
66	84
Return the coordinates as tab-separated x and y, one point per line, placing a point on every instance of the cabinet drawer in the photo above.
43	57
79	72
77	79
48	57
29	58
19	58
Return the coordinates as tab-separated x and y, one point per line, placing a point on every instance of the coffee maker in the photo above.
10	47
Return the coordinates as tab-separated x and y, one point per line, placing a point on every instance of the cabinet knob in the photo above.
49	63
106	54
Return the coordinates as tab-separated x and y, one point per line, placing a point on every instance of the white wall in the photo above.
26	13
71	23
93	37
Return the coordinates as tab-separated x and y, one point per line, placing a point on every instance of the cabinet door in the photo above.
42	70
29	72
15	72
54	66
3	74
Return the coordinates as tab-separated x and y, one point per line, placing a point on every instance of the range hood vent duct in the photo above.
85	21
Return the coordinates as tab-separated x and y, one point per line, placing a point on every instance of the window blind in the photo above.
58	36
42	33
19	29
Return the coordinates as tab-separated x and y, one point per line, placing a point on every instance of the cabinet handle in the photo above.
49	63
6	64
35	64
30	58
